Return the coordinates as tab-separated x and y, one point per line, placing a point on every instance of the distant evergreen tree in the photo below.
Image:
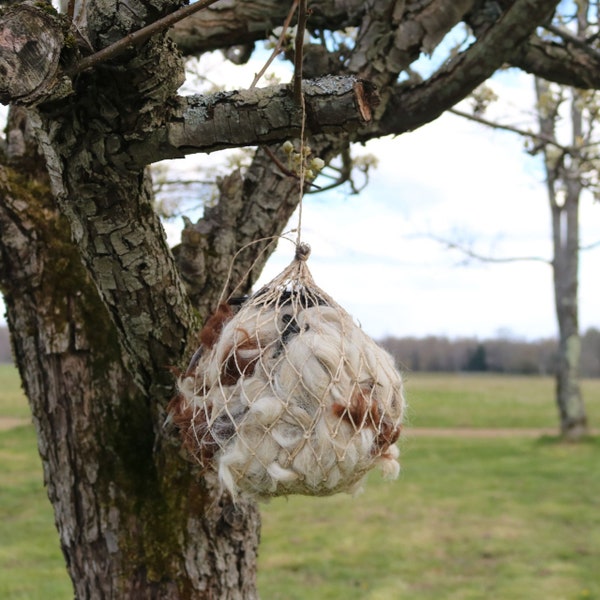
477	360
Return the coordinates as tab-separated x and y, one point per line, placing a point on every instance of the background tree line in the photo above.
503	354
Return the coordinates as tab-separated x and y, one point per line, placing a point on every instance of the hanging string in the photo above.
301	6
270	240
287	395
301	174
299	98
278	45
302	250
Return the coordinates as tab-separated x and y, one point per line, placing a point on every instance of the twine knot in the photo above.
302	252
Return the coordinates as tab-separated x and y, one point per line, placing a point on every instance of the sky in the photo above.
377	254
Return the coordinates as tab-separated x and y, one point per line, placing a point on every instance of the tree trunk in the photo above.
135	521
565	227
565	235
564	186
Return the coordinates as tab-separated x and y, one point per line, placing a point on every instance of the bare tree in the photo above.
571	169
565	183
99	307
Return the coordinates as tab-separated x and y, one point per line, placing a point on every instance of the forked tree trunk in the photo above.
135	521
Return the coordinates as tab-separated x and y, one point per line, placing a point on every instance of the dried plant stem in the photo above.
278	45
138	36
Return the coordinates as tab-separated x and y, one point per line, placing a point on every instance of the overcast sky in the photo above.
375	252
453	179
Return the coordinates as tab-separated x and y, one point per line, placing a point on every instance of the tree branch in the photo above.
261	116
238	23
244	226
568	37
412	106
522	132
138	37
591	246
482	257
575	64
565	65
31	72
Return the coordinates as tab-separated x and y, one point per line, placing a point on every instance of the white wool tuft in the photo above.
293	397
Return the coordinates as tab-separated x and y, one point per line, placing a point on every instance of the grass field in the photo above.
490	401
487	518
12	401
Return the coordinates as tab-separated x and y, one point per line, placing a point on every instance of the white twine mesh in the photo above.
291	396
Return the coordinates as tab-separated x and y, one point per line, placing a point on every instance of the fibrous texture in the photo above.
290	396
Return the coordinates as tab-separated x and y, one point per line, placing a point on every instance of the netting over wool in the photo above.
290	396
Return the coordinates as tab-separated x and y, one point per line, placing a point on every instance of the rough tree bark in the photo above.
99	307
133	522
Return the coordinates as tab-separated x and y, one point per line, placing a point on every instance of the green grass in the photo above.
503	518
12	398
435	400
490	401
31	564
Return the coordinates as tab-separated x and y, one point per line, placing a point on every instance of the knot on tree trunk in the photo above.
31	40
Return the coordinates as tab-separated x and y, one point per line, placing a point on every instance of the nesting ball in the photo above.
290	396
